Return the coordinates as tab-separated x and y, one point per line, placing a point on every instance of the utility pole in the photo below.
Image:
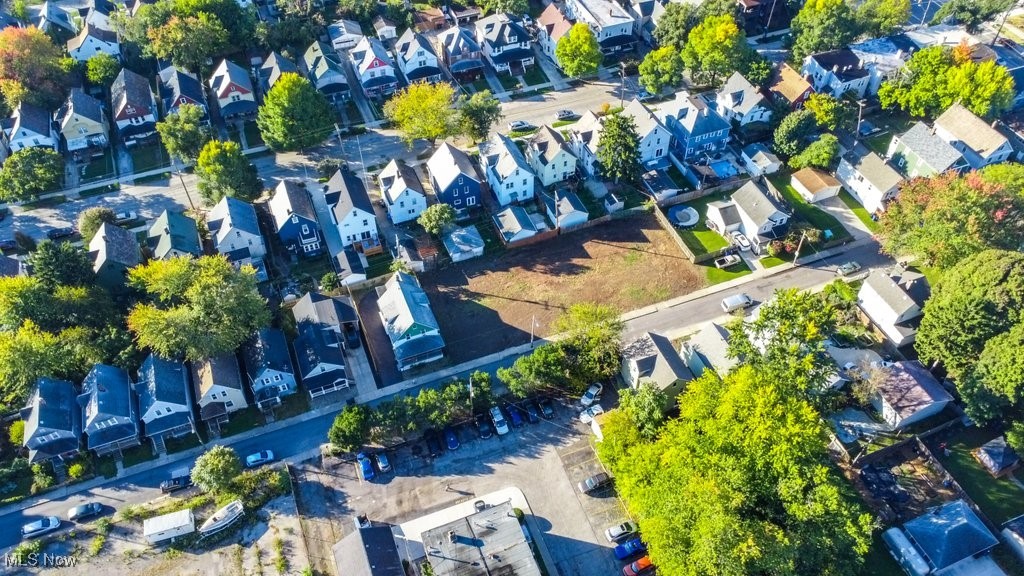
533	322
187	195
622	82
860	115
1001	23
796	255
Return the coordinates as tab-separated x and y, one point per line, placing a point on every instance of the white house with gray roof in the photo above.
236	231
218	389
453	177
409	322
584	137
753	212
652	358
374	68
506	44
351	210
740	101
868	178
921	152
514	224
416	58
908	393
402	191
508	173
759	160
979	142
165	400
344	34
550	157
325	70
893	303
269	367
29	127
611	24
93	41
564	208
709	350
53	421
654	137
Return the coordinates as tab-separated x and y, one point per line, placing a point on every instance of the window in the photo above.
401	204
277	377
366	222
460	179
305	229
470	201
509	185
295	219
283	388
266	380
455	192
524	181
158	412
457	202
229	404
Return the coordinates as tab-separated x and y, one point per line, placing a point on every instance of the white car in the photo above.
588	415
125	217
519	126
727	260
592	394
40	527
740	240
851	267
499	421
258	459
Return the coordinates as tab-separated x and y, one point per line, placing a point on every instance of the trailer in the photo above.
166	528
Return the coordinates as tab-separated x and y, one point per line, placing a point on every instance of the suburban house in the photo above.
652	358
232	87
453	178
506	44
584	137
273	68
409	322
374	68
564	208
658	185
30	126
92	41
945	540
369	551
908	393
893	303
921	152
461	53
654	137
814	185
98	14
82	122
508	173
697	129
514	224
464	243
427	18
165	401
741	102
838	72
402	190
326	71
321	362
759	161
133	107
550	157
1013	536
334	315
174	235
269	367
351	210
868	178
751	211
218	389
179	87
460	14
384	28
551	26
10	267
54	19
344	34
236	231
709	350
789	87
295	219
885	57
109	415
113	251
611	24
978	141
997	457
53	421
416	59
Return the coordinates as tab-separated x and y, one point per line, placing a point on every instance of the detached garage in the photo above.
815	185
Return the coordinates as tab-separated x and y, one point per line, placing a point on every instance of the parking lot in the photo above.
545	460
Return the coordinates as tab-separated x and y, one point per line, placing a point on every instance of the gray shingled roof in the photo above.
546	143
289	198
874	169
846	63
176	83
447	164
513	220
350	193
9	266
52	407
324	311
644	119
404	304
997	455
132	89
500	29
81	104
267	349
219	371
741	95
563	203
396	177
32	118
409	43
230	214
174	231
115	244
931	149
755	202
457	41
161	380
502	155
908	388
94	31
275	66
311	350
974	132
657	360
368	552
949	533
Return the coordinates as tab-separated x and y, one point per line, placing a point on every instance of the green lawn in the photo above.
719	275
252	134
378	265
806	211
507	82
999	498
699	239
138	455
242	421
148	157
293	405
22	490
560	123
773	261
858	210
879	143
879	562
678	178
479	85
44	203
535	75
100	167
931	274
187	442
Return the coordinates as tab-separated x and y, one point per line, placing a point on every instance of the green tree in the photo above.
756	68
29	172
358	10
822	25
661	67
101	69
294	115
577	51
134	28
240	23
675	25
544	369
877	18
970	13
16	433
215	469
946	219
985	88
224	171
196	308
24	298
61	264
30	68
27	353
90	220
645	406
618	150
505	6
424	110
829	111
478	113
184	134
189	41
292	33
715	48
436	218
351	428
794	132
822	153
715	8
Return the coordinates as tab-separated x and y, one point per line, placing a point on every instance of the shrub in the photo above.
16	433
329	282
42	478
77	470
21	553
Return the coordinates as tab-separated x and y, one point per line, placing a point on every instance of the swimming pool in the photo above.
724	169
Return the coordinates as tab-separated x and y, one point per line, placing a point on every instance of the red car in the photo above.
641	566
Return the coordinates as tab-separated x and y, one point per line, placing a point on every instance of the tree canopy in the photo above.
578	52
424	110
294	115
645	406
101	69
478	113
675	25
90	220
224	171
189	40
351	428
31	68
196	308
822	25
661	67
436	218
30	172
822	153
505	6
794	132
215	469
618	149
876	18
61	264
715	48
829	111
183	133
970	13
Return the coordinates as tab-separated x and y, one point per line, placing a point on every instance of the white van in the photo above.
736	302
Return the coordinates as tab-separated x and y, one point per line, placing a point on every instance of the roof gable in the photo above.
449	163
350	193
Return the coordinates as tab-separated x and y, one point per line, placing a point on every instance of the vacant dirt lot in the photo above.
486	305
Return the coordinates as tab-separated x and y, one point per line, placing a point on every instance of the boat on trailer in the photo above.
223	518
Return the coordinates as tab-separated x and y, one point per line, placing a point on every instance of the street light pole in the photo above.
184	187
622	82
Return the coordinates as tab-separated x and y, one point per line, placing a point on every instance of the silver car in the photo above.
40	527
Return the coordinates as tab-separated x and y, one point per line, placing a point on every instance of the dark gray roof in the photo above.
174	231
501	29
274	67
82	104
108	390
115	244
229	72
94	31
755	202
513	220
219	371
230	214
177	84
949	533
396	177
547	143
350	193
324	311
730	213
368	552
997	455
404	304
448	163
238	108
657	360
349	263
457	41
563	202
312	348
267	349
289	198
132	89
161	380
843	62
51	407
32	118
409	43
931	149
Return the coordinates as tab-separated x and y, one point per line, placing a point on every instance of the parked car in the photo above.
592	394
499	421
434	446
641	566
175	484
566	115
588	415
595	482
532	412
547	408
515	415
527	21
83	511
519	125
736	302
882	364
352	339
740	240
451	439
620	532
6	245
630	548
851	267
365	466
125	217
483	427
40	527
58	233
727	260
383	464
258	459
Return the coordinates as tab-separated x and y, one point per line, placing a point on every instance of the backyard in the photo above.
146	157
488	304
699	239
806	211
999	498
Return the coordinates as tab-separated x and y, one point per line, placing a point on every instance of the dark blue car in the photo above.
451	439
629	548
365	466
516	415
